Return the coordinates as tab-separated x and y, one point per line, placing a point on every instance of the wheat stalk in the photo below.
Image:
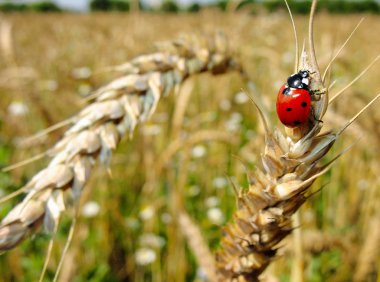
369	251
197	245
291	163
96	131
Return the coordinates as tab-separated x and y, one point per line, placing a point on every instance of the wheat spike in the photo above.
96	131
291	162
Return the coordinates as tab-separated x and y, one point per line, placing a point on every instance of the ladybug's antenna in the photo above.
295	34
311	42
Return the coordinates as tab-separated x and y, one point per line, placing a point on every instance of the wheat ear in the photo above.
291	163
96	131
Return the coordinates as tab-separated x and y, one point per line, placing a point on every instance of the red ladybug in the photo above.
293	105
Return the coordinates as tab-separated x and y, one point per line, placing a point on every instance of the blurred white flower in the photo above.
225	105
151	130
194	190
90	209
249	134
18	109
152	240
233	123
219	182
212	202
145	256
198	151
241	98
201	274
84	89
362	184
161	117
166	218
147	213
308	216
81	73
288	57
215	216
49	85
236	117
132	223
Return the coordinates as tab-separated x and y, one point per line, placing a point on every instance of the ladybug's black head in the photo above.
299	80
295	81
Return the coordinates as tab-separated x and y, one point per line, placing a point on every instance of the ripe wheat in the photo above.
96	131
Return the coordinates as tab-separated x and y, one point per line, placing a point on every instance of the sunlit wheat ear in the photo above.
291	162
115	111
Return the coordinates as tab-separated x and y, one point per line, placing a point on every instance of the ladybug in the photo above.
294	100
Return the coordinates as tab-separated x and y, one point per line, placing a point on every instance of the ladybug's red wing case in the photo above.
293	106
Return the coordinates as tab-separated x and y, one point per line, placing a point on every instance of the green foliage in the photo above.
323	266
43	6
100	5
222	5
193	8
12	7
170	7
346	7
110	5
272	6
122	6
303	6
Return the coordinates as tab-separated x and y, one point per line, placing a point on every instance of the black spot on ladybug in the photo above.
304	104
297	122
288	109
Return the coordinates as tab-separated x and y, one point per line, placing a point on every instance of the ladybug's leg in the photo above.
316	94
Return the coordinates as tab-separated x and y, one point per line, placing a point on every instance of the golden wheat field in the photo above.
184	157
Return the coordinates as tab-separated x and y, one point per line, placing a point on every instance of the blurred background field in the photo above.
127	230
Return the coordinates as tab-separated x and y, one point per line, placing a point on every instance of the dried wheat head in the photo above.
96	131
291	162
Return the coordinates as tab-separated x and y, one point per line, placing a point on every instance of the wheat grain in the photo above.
96	131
